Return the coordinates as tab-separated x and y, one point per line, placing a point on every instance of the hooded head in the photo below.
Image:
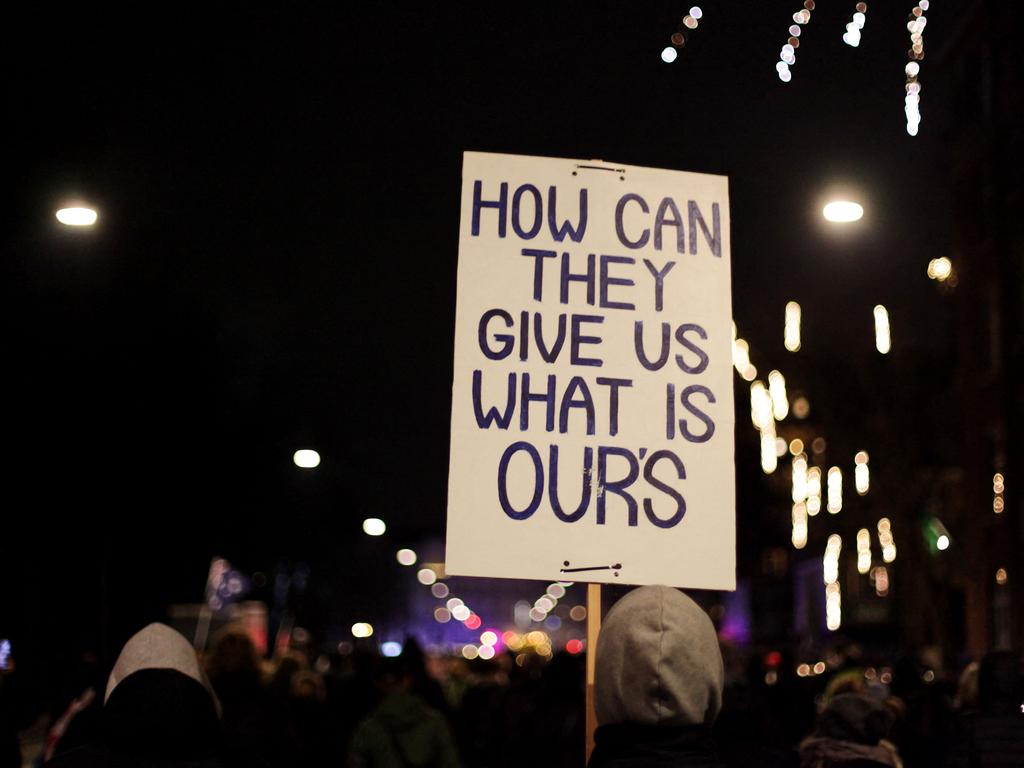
155	647
658	661
158	704
855	717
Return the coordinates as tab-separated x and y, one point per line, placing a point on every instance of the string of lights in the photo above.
682	35
769	404
787	56
852	35
915	26
833	595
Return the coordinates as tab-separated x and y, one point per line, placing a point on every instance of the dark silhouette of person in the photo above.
255	722
992	735
850	734
403	731
159	710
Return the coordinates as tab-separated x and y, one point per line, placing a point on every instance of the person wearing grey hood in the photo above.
159	710
658	683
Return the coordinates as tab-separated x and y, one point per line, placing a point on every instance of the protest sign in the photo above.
592	405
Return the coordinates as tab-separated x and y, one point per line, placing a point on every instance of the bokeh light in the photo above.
391	649
306	458
843	211
77	216
406	557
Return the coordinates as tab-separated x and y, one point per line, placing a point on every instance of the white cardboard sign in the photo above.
592	401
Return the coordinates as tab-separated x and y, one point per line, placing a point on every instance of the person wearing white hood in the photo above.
159	709
658	683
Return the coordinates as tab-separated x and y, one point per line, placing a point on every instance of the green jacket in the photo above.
403	732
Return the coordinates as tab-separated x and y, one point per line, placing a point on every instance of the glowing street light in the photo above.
843	211
77	216
306	458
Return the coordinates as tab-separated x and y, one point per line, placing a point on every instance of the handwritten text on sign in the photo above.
592	417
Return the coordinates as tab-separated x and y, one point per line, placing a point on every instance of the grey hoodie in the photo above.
158	710
157	646
658	661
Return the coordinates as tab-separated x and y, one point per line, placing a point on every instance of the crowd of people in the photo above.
666	693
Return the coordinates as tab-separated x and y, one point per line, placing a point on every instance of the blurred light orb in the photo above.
696	12
488	638
668	55
940	269
77	216
486	652
442	615
306	458
470	652
473	622
426	576
942	544
801	408
406	556
439	590
374	526
843	211
390	649
461	613
1001	577
578	613
362	629
454	603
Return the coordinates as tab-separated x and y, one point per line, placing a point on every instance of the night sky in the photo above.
274	265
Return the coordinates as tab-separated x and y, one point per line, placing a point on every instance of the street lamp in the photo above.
842	211
306	458
77	216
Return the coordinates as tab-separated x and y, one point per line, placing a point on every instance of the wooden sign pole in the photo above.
593	628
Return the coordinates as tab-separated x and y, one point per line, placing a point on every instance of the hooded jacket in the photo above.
658	684
850	733
159	710
403	732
